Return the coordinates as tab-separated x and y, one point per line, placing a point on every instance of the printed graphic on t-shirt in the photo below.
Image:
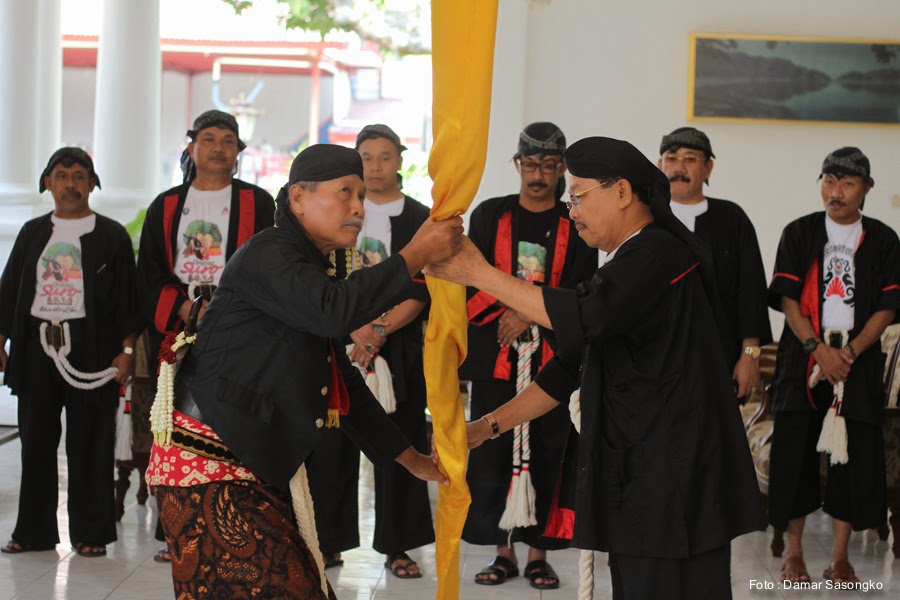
202	255
62	286
532	258
372	251
838	275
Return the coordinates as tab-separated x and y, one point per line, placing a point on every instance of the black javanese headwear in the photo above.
686	137
68	156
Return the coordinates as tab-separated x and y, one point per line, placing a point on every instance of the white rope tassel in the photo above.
586	558
833	438
379	380
123	427
91	381
520	510
301	499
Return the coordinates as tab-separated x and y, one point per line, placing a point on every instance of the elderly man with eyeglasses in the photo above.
530	236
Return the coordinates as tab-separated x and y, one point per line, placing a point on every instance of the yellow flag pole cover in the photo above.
462	63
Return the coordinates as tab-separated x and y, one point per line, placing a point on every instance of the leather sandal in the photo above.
501	568
541	569
840	571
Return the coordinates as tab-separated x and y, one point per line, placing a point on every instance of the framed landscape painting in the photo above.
821	80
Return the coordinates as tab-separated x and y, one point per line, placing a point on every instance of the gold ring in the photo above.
369	347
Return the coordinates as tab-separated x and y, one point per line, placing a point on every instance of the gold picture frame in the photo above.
811	80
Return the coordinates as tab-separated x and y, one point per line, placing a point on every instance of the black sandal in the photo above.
14	547
333	560
395	568
501	567
89	550
541	569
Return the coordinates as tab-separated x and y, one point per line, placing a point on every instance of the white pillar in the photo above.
19	167
49	87
127	109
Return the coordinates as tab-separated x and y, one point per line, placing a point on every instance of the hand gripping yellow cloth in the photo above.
463	61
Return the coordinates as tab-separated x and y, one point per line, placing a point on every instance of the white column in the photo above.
49	87
507	101
19	168
127	110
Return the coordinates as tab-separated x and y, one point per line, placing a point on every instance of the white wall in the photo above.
619	68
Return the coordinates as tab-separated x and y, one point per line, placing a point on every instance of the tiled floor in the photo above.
129	573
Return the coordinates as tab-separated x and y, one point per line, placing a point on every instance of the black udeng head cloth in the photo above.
541	139
211	118
848	161
68	156
321	162
686	137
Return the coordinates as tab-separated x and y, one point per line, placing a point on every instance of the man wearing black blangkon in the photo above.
663	479
264	378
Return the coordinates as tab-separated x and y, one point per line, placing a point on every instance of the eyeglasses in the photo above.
690	160
546	167
576	199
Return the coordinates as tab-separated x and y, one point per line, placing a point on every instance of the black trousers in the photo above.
402	507
333	471
90	450
703	577
490	470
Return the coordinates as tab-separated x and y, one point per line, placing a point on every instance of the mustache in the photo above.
73	193
537	184
683	178
216	156
357	222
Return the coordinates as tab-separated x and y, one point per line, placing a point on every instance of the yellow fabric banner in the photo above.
462	62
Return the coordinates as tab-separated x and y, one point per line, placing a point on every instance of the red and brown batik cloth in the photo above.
230	535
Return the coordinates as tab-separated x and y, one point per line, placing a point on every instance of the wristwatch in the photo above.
810	345
752	351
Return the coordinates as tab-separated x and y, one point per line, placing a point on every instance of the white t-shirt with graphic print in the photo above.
59	292
839	274
374	241
203	236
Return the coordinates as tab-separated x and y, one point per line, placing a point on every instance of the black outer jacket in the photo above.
107	262
259	369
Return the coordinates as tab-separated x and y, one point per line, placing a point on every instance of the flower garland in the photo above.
161	411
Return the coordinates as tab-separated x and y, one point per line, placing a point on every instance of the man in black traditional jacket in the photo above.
191	231
663	478
529	235
686	157
402	507
268	372
71	268
835	270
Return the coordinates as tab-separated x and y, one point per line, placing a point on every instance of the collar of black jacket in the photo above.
285	219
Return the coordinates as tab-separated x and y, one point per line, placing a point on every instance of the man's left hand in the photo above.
422	466
746	373
125	364
462	267
510	327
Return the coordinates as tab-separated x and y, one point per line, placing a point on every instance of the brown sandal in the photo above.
794	570
841	571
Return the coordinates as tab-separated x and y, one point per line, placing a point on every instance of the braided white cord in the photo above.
301	499
586	558
67	371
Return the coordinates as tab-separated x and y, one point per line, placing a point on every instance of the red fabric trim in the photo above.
477	304
503	367
247	217
338	397
559	253
164	306
560	521
418	280
677	279
170	205
503	245
861	238
546	352
891	287
809	307
787	275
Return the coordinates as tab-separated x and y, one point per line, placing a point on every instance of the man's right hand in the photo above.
435	241
185	310
834	365
510	327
